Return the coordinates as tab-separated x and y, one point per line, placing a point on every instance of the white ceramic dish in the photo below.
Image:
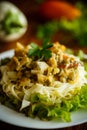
6	7
18	119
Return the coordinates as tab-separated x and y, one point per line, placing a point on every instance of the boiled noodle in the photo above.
60	77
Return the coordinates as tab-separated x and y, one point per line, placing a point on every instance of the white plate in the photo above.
18	119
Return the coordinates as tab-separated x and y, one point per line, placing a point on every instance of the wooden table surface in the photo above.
29	7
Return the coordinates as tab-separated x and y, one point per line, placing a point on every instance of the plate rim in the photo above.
43	124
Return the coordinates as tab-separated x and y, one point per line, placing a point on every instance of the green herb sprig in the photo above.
42	53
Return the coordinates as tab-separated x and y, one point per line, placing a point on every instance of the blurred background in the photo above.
59	20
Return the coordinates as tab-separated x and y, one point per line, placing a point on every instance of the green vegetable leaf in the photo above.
46	44
11	23
40	53
77	28
80	54
46	54
33	50
47	30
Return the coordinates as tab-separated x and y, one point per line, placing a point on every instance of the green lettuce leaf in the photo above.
41	107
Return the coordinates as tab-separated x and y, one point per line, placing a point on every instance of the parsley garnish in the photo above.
40	53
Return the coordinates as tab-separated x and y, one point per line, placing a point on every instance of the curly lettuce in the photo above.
46	110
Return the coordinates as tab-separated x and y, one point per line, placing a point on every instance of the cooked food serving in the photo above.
45	82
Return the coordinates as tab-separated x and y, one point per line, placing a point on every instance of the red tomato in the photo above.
58	10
